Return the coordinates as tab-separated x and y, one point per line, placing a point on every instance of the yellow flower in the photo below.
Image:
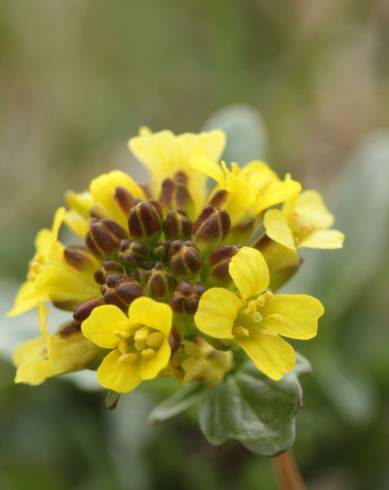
256	319
304	221
199	361
250	190
165	154
50	277
102	199
50	355
139	343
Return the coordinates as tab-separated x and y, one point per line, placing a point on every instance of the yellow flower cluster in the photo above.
172	278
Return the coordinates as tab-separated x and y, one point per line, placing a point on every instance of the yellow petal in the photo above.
150	368
146	311
241	196
216	313
277	192
33	367
80	202
103	190
164	154
77	223
121	377
270	353
324	239
102	323
312	211
43	314
249	272
277	228
25	299
209	167
293	315
70	352
63	283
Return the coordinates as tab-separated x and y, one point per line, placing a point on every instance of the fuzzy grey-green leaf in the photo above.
254	410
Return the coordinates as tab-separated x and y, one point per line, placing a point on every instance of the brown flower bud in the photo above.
79	257
175	194
212	225
145	219
69	328
125	199
186	297
177	225
104	236
122	291
184	258
133	253
220	260
159	282
83	310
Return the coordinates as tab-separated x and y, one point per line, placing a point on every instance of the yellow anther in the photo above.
155	340
129	357
123	346
141	333
148	353
251	308
241	331
122	334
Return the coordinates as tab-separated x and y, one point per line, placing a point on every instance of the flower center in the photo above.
250	316
143	343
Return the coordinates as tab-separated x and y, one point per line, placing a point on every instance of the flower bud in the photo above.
184	258
79	257
177	225
212	225
175	194
108	267
121	291
158	281
133	253
186	297
104	236
125	199
83	310
145	219
219	260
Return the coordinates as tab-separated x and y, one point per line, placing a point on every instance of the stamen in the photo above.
155	340
148	353
241	331
123	346
122	334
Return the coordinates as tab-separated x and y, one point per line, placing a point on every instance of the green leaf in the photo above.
182	399
250	408
245	131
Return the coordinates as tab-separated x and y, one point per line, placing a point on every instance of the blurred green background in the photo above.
304	85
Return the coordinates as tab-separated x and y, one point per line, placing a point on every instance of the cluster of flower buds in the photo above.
171	277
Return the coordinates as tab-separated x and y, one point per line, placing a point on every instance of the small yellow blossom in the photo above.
50	355
250	190
101	199
256	319
304	221
50	277
198	361
138	343
165	155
